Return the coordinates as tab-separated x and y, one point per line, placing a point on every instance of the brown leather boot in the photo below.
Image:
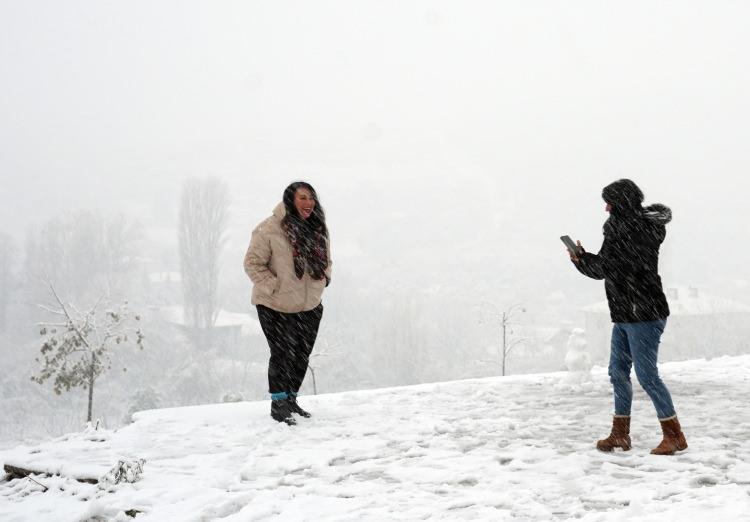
674	439
619	437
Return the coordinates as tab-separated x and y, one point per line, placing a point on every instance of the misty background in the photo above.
451	144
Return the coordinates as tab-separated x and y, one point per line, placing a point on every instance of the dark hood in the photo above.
624	196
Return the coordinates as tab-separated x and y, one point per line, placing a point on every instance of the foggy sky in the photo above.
447	116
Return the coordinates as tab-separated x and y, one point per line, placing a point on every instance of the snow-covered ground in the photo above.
514	448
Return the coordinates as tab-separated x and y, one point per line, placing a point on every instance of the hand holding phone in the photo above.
575	250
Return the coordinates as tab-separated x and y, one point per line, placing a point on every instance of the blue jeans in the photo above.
638	344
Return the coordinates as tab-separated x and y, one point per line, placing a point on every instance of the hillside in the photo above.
486	449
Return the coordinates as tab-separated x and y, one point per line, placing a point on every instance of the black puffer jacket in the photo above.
628	260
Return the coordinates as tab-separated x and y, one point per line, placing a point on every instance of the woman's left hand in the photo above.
577	257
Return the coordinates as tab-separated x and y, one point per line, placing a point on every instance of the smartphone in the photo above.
572	247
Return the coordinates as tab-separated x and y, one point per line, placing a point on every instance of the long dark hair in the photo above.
317	220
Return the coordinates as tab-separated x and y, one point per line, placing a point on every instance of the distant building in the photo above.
233	334
700	325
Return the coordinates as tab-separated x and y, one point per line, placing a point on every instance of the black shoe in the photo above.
296	408
281	412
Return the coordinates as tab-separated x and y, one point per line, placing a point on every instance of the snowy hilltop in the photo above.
513	448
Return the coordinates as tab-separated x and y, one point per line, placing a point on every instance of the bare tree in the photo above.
6	253
490	312
204	213
328	349
76	348
84	254
119	242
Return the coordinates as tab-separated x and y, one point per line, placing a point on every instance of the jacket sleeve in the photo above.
257	259
592	265
329	268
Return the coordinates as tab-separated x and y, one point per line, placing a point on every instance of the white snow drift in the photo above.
488	449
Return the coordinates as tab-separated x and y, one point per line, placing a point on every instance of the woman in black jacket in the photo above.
628	261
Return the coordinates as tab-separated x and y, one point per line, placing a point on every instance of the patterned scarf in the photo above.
308	247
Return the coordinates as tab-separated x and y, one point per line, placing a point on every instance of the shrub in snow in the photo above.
124	471
577	359
143	399
232	397
197	383
94	432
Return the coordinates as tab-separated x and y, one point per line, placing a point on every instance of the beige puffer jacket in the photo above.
270	265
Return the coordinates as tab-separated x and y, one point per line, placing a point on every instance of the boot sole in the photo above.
624	445
288	420
678	450
610	450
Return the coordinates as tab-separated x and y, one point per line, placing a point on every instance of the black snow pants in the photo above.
291	338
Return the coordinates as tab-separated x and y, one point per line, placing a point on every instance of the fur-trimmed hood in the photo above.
658	213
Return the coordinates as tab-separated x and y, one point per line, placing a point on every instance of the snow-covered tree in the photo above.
204	213
76	349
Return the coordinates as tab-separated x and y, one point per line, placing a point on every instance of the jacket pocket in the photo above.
269	286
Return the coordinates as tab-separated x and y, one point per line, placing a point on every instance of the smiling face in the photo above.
304	202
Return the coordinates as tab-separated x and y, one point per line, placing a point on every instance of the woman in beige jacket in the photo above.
289	263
